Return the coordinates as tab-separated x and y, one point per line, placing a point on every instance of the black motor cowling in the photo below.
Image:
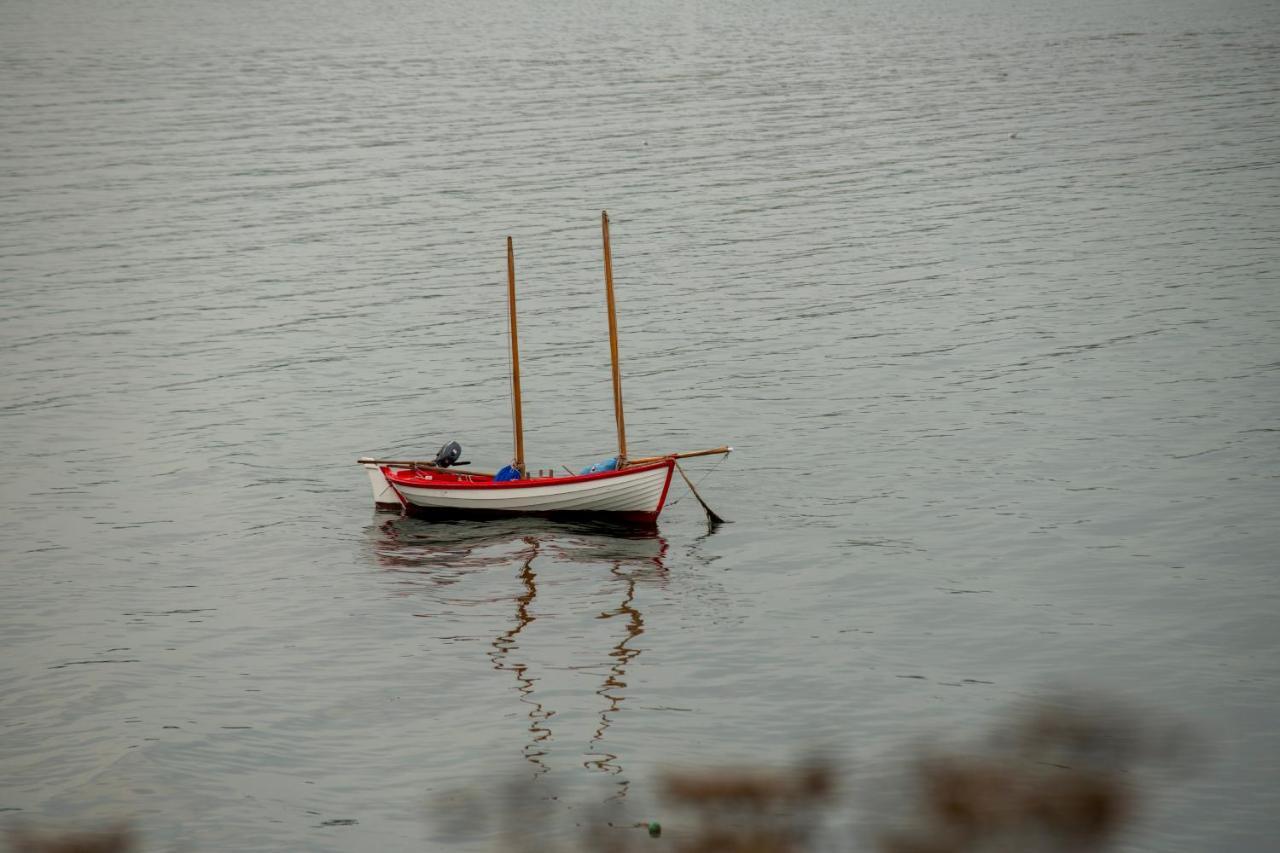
448	455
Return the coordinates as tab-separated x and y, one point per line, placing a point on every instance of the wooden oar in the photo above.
711	514
645	460
420	465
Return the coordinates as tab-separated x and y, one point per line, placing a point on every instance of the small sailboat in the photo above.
621	488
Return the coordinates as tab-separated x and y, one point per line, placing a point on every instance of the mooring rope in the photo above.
704	476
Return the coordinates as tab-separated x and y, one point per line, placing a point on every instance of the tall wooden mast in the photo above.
517	419
613	342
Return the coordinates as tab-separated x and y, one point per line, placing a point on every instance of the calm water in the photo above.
984	293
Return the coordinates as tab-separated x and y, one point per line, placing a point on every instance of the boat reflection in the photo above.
442	555
421	546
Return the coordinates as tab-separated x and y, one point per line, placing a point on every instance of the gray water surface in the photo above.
984	294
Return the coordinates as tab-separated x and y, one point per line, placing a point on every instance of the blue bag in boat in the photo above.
506	475
606	465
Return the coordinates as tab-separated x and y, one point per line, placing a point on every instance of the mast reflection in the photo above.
502	646
622	654
438	556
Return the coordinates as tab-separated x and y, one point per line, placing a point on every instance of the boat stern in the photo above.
384	497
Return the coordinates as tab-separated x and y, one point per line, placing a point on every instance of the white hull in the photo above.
639	492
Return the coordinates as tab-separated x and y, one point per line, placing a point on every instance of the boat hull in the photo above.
633	494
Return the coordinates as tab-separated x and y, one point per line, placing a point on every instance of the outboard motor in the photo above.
448	455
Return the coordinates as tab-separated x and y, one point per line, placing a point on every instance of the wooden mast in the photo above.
517	419
613	342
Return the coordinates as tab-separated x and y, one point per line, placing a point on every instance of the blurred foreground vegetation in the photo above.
1064	776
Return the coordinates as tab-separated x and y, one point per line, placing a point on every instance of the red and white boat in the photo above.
635	493
631	490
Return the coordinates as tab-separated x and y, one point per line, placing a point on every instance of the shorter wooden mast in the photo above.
613	342
517	419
